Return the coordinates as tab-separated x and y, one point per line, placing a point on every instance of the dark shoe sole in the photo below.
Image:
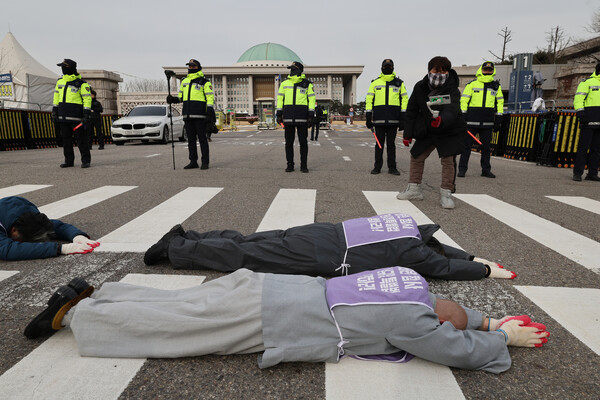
577	178
394	172
375	172
592	178
66	165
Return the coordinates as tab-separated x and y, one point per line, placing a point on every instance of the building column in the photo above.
224	83
250	95
353	92
329	87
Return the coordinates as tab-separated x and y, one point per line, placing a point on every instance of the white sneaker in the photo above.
412	192
446	198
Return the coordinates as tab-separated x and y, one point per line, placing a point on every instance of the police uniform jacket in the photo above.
72	95
587	98
386	100
482	100
296	98
197	95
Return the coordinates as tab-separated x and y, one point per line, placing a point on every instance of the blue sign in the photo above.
5	78
520	89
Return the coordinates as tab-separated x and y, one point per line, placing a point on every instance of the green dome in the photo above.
268	52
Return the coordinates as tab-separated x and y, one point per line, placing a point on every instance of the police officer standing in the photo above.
386	103
198	98
296	110
314	131
587	105
72	108
96	122
483	103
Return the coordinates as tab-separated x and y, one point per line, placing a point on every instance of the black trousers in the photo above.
485	136
290	136
386	132
96	124
66	131
196	128
589	138
314	131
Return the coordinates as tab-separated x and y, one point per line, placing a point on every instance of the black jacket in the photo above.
448	139
96	109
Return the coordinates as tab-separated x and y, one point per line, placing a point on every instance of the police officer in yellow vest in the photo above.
483	104
198	99
296	110
587	106
386	103
72	108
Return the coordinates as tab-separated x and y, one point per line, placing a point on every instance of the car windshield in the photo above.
148	112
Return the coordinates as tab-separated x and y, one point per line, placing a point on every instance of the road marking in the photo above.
7	274
249	135
417	379
386	202
152	155
141	233
346	158
55	370
580	202
20	189
574	308
572	245
338	148
291	207
80	201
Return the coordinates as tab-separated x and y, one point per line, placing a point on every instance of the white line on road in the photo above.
141	233
338	148
20	189
80	201
291	207
55	370
7	274
572	245
580	202
346	158
574	308
152	155
249	135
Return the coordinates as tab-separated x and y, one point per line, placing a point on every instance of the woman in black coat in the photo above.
444	133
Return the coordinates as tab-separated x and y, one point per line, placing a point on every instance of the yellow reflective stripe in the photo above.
580	94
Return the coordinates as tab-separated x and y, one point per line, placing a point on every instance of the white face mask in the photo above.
437	79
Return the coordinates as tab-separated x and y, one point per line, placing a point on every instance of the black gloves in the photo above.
55	114
497	123
582	117
369	120
87	115
210	115
311	119
172	99
279	116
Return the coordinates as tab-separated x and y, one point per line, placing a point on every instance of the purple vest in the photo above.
393	285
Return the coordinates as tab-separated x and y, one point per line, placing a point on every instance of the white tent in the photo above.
33	83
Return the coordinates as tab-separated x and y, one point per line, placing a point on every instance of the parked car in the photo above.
148	122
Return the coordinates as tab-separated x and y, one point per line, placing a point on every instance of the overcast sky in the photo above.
137	38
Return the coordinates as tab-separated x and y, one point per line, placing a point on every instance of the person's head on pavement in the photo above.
32	227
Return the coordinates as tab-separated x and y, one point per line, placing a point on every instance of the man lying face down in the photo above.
384	314
325	249
27	234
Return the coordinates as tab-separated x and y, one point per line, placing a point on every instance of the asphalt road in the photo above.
249	166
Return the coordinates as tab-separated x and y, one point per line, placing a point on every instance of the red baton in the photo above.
77	127
473	136
378	144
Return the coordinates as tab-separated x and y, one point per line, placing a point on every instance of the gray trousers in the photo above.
223	316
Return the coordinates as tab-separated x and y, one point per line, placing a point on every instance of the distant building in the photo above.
259	71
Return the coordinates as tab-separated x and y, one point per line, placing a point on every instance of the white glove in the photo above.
83	240
76	248
496	270
522	336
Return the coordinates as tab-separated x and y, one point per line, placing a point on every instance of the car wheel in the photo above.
183	137
165	138
119	143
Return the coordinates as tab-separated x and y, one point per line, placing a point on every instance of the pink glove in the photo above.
525	321
436	122
83	240
407	142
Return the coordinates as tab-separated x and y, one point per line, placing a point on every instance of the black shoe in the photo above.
461	174
191	165
393	171
204	166
304	169
488	174
158	251
289	169
85	165
66	165
101	148
375	171
589	177
577	178
312	139
65	298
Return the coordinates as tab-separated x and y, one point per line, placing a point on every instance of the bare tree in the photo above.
506	35
143	85
557	41
594	26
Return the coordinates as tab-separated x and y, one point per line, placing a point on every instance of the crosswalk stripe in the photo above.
139	234
20	189
574	308
80	201
346	158
7	274
55	370
580	202
572	245
291	207
386	202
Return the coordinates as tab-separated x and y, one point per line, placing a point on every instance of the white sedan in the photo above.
145	123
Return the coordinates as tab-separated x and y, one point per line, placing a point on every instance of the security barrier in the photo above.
566	139
520	142
11	130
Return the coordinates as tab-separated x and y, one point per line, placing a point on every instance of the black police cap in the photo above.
194	63
386	62
487	64
67	63
298	65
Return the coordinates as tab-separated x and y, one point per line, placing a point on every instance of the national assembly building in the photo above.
256	76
